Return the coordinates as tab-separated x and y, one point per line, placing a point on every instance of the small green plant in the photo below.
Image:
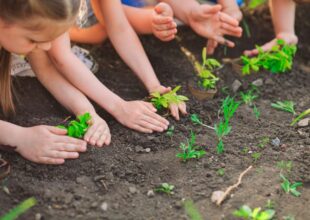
286	106
192	211
256	156
252	4
163	101
165	188
222	129
290	187
221	172
270	204
170	131
197	121
20	209
288	217
78	128
285	166
278	60
248	99
263	142
207	79
189	150
245	150
246	213
299	117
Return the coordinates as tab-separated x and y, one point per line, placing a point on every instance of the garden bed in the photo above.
113	182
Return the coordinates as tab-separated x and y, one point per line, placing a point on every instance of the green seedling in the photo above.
290	187
255	3
165	188
246	213
165	100
289	217
299	117
78	128
189	150
256	156
248	99
285	166
192	211
221	172
207	79
170	131
270	204
20	209
286	106
256	112
245	150
263	142
229	107
278	60
196	120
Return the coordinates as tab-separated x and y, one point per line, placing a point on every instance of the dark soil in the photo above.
77	189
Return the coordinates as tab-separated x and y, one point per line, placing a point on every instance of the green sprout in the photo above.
286	106
170	131
255	3
207	79
256	156
285	166
278	60
246	213
290	187
248	99
192	211
20	209
221	172
165	100
288	217
270	204
299	117
165	188
197	121
78	128
263	142
190	151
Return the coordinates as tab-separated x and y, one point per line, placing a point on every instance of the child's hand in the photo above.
163	26
48	145
174	108
231	8
140	116
98	133
289	38
210	23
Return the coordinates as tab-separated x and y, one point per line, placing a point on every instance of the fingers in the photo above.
182	108
220	39
231	30
49	160
57	131
162	121
207	10
228	19
164	9
69	141
69	147
265	47
63	155
174	111
211	45
150	106
142	129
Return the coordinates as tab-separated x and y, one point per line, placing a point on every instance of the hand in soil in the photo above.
163	26
48	145
210	23
289	38
141	116
98	133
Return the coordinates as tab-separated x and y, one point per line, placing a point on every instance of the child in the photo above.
283	17
140	116
27	28
206	20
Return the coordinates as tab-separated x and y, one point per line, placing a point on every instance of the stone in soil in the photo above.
304	122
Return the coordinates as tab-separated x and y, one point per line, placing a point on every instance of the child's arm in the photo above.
283	18
98	133
137	115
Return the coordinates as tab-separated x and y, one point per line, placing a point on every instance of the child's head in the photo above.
26	25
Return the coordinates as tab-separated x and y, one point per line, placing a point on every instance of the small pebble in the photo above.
216	196
150	193
147	150
132	189
276	142
258	82
38	216
104	206
304	122
236	85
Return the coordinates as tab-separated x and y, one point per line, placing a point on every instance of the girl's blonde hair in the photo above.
24	12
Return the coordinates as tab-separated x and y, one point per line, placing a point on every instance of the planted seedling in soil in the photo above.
170	131
205	87
20	209
196	120
285	166
165	188
246	213
221	172
263	142
248	99
278	60
299	117
286	106
189	150
77	128
164	101
270	204
192	211
290	187
256	156
289	217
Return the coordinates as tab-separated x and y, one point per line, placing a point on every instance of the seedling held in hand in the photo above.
190	151
196	120
78	128
286	106
290	187
165	188
246	213
164	101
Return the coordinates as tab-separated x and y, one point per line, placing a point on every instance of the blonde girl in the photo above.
27	27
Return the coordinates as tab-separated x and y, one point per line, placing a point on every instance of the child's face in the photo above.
20	40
